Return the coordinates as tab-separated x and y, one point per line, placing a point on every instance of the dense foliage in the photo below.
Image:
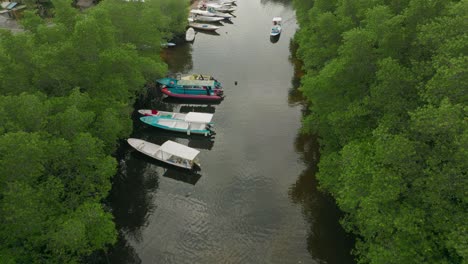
66	91
387	84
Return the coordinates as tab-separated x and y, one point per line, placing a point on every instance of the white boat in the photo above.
207	18
210	12
222	2
196	76
213	11
170	152
203	26
276	29
221	7
193	122
168	44
202	12
162	114
190	34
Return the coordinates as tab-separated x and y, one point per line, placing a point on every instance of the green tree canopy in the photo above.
386	82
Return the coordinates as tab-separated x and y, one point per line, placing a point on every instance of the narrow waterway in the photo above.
255	198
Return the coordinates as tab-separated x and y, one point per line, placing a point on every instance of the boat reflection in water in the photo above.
190	177
274	39
172	100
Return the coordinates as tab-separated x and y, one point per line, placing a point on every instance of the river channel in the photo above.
255	199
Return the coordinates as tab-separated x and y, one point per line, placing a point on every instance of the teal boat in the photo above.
196	123
189	82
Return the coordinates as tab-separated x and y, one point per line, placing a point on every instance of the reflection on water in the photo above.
326	240
274	39
179	57
172	100
276	2
212	33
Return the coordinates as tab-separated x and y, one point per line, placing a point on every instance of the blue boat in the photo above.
190	81
196	123
191	87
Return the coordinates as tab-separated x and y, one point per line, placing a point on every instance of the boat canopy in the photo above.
179	150
194	117
277	19
196	82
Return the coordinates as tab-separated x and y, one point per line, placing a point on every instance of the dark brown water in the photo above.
255	198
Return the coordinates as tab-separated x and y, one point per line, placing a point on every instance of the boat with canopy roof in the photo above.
169	152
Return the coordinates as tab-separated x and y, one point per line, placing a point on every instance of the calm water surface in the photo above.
255	198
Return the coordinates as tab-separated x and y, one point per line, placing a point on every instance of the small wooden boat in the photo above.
190	34
170	152
211	96
276	29
201	18
203	26
193	123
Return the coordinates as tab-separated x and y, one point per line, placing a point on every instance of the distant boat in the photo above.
170	152
276	29
202	12
168	44
225	8
210	12
190	34
203	26
193	123
201	18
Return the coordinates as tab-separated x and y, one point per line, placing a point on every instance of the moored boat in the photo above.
187	82
201	26
276	29
225	8
201	18
202	77
169	152
210	12
190	34
162	114
193	123
209	96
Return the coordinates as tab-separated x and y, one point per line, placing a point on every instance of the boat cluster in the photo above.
195	87
209	12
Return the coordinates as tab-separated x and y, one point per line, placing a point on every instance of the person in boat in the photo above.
207	90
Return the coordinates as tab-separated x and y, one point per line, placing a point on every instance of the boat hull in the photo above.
203	97
208	18
206	27
149	148
181	126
